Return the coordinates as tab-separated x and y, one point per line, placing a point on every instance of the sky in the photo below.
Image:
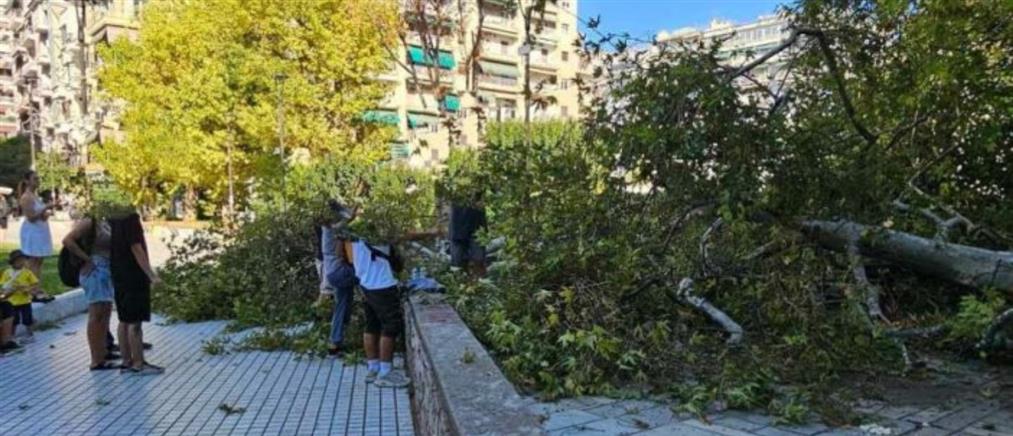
645	18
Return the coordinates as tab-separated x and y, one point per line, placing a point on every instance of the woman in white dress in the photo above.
36	241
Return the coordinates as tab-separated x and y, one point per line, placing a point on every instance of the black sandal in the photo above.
104	366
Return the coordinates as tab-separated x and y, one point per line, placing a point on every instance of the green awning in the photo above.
497	69
400	150
452	103
382	117
417	56
416	120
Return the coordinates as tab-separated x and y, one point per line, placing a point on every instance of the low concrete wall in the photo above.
69	303
454	394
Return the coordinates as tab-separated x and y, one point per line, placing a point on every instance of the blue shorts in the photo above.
98	284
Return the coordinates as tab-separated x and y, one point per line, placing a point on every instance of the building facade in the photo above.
48	59
742	43
48	86
44	68
493	89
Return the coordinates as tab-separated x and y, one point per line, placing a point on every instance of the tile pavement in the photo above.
600	416
48	390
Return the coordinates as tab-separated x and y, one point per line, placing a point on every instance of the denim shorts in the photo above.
98	284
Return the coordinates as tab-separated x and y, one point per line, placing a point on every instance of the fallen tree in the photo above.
960	264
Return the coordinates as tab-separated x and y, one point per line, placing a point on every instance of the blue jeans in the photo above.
342	313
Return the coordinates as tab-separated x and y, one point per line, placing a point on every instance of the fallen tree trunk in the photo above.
962	264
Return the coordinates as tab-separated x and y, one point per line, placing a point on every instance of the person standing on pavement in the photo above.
132	277
36	240
91	241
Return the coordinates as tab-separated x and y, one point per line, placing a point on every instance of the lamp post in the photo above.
279	80
33	118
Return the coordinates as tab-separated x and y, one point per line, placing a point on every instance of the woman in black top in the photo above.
132	280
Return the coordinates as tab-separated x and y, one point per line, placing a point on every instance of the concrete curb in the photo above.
457	387
65	305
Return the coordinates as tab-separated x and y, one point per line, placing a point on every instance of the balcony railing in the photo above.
498	80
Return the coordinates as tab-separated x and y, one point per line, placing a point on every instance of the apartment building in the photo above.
46	66
47	75
8	89
743	43
495	88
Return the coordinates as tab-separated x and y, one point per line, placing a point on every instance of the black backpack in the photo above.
69	265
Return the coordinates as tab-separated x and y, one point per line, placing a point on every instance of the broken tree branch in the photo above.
870	292
918	332
685	295
988	338
943	226
842	91
705	241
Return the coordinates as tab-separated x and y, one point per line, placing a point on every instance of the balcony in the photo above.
543	63
498	76
495	52
501	25
498	83
422	74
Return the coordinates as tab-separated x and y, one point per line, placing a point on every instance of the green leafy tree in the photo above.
15	159
203	83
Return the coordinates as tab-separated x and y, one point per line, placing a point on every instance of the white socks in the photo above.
384	369
373	365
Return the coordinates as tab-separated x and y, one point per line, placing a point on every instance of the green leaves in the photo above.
201	90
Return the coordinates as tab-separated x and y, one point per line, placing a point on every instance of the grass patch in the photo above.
50	277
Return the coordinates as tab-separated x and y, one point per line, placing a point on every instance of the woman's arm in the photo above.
27	203
141	256
70	241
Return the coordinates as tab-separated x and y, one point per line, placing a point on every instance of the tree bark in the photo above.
961	264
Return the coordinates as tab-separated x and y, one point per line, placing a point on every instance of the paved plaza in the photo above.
48	390
603	416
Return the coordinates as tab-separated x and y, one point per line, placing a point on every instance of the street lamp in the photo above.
33	116
279	80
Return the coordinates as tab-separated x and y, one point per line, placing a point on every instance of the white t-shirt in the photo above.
373	275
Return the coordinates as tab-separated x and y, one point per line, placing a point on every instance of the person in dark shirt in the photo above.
132	280
465	222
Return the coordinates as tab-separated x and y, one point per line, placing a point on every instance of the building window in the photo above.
566	56
504	47
564	5
564	111
564	83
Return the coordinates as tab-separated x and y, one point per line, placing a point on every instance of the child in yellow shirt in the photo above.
17	286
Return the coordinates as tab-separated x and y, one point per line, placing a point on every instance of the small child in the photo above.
19	285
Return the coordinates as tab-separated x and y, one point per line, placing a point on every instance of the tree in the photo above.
15	159
819	225
208	83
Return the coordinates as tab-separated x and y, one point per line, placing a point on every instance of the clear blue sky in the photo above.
644	18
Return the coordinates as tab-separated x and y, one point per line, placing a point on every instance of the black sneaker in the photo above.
146	345
336	352
10	347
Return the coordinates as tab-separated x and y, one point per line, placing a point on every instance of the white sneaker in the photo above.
27	339
371	376
392	379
